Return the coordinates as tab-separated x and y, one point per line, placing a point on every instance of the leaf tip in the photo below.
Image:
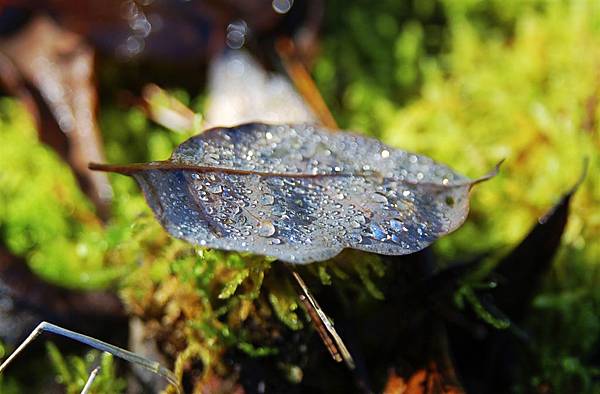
583	175
489	175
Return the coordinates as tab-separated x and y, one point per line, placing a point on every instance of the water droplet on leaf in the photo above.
214	193
267	199
215	188
266	229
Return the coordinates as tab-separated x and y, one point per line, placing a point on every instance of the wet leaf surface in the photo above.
300	193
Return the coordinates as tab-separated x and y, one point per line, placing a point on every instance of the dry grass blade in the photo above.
90	381
303	82
169	112
126	355
332	340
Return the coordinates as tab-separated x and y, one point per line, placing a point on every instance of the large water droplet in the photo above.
354	238
379	198
377	232
278	210
360	218
396	225
267	199
275	181
215	188
266	229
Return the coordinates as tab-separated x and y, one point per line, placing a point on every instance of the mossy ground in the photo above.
467	83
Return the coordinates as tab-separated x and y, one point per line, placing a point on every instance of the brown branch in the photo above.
333	342
303	81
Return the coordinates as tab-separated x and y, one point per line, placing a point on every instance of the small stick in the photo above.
90	381
169	112
126	355
304	82
333	342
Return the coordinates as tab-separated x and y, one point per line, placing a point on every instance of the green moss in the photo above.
9	385
73	372
43	214
285	304
512	82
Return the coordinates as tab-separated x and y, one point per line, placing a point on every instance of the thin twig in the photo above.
126	355
333	342
90	381
304	82
169	112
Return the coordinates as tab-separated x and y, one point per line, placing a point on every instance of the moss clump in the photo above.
511	82
73	372
43	214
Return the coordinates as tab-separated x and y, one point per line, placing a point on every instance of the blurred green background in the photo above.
465	82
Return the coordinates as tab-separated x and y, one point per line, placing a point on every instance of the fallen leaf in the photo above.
301	193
